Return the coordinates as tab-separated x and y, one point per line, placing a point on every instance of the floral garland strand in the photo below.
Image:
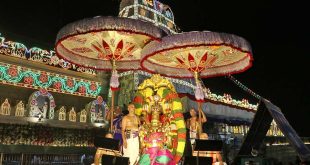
178	119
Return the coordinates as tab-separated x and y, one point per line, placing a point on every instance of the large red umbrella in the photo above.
197	54
106	43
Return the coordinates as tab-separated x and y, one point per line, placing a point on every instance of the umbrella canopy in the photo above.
206	53
97	41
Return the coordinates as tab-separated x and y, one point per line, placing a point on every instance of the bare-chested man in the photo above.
130	127
193	123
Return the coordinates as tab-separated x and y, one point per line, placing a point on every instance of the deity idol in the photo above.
154	135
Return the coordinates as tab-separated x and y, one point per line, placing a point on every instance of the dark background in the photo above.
277	31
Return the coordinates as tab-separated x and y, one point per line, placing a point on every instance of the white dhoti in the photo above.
132	150
193	136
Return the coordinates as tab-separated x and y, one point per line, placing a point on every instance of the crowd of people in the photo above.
44	136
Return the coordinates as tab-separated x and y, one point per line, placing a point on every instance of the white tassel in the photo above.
114	82
199	95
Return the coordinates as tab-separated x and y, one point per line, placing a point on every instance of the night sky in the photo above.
277	31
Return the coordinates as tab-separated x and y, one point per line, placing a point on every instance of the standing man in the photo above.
117	123
193	124
130	128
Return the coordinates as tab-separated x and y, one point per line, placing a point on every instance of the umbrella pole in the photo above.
196	75
112	111
199	119
113	95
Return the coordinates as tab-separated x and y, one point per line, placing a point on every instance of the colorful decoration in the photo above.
227	99
62	113
157	102
72	115
36	54
20	109
207	53
5	108
152	11
30	78
98	110
42	104
97	42
209	96
83	116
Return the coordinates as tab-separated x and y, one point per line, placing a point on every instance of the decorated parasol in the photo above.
106	43
197	54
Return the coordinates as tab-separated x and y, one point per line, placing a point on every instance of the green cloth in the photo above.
162	159
145	159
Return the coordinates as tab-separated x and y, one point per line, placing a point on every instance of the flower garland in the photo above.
178	120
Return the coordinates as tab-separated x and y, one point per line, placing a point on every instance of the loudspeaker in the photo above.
114	160
192	160
107	143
